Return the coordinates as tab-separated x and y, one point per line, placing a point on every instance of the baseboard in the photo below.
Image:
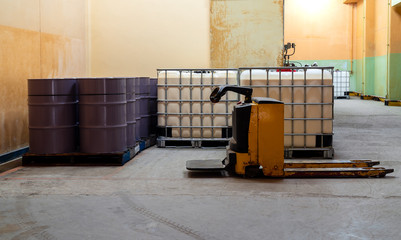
13	154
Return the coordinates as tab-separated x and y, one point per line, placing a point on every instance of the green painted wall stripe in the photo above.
395	76
376	76
356	76
343	65
375	71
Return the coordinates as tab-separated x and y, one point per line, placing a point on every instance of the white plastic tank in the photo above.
282	86
194	89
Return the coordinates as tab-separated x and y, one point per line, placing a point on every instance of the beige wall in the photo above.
135	37
246	33
321	30
38	39
395	32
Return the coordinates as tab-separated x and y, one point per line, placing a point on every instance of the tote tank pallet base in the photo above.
164	142
327	153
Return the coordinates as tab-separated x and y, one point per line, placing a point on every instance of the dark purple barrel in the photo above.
137	110
152	111
52	87
153	87
131	121
145	118
52	107
144	85
102	115
103	86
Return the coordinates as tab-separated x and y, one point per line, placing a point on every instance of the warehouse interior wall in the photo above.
38	39
247	33
136	37
361	36
376	68
321	30
394	74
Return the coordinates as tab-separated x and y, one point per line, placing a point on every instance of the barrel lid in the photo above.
52	86
94	86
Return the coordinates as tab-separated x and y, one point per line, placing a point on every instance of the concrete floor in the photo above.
154	197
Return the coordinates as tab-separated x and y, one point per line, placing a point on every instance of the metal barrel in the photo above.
137	109
153	87
152	111
102	115
52	105
143	85
131	118
144	88
103	86
52	87
145	125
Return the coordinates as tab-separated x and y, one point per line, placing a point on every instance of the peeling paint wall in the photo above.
135	37
38	39
246	33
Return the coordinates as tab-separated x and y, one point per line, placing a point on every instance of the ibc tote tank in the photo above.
310	102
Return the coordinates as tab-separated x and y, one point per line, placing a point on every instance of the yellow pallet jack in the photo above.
257	145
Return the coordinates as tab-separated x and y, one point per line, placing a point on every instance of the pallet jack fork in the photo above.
257	145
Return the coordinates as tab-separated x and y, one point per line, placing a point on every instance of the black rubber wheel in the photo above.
252	171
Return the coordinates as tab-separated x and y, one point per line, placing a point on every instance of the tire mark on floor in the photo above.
28	224
146	212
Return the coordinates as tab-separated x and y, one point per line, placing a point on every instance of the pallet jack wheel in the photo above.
252	171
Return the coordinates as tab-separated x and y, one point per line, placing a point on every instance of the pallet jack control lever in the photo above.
220	91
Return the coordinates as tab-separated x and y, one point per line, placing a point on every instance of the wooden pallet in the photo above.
387	102
77	159
392	103
148	142
371	97
87	159
351	93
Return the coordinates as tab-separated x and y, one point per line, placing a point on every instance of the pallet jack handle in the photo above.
220	91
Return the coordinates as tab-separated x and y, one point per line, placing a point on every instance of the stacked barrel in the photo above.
102	115
152	110
137	109
144	105
90	115
131	119
52	107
